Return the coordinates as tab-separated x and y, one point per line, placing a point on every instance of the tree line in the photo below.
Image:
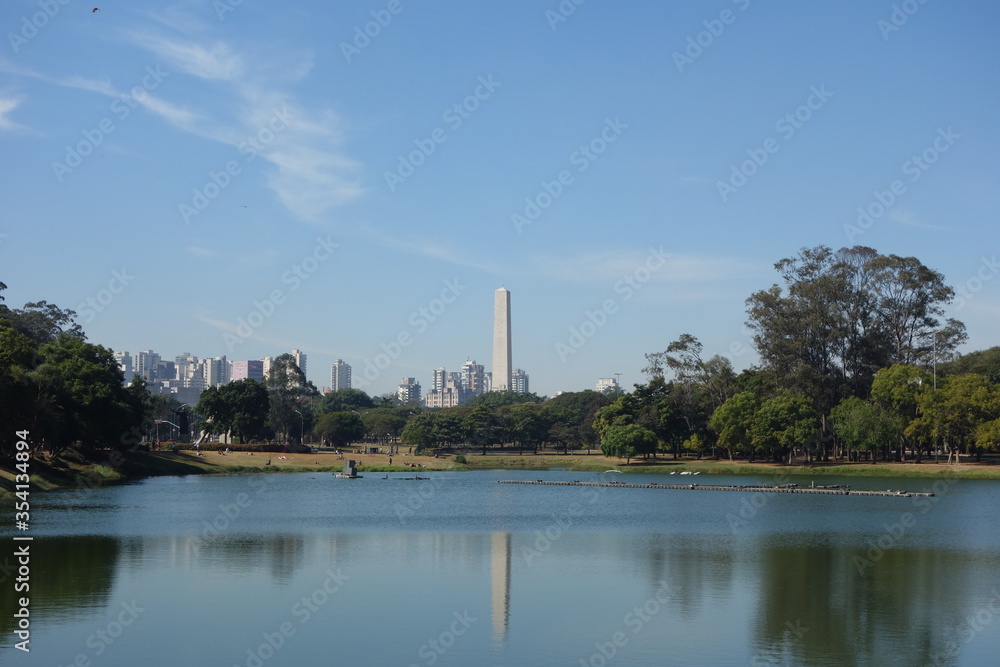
857	361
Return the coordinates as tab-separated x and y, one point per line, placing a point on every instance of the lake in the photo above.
305	569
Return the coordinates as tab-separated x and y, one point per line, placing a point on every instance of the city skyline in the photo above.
632	172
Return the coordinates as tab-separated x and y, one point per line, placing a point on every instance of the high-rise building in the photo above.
501	340
474	378
216	371
438	376
252	369
519	381
124	360
340	375
300	360
145	364
607	384
408	391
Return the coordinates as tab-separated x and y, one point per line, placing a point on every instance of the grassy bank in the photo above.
76	471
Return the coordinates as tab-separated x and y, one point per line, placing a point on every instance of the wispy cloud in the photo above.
7	105
200	251
432	249
909	219
610	265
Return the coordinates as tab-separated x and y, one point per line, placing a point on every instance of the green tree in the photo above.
340	428
80	397
288	390
784	423
383	425
419	431
496	399
628	442
529	425
733	422
866	426
345	400
895	390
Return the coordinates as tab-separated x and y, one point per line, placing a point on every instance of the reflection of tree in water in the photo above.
697	567
68	575
815	608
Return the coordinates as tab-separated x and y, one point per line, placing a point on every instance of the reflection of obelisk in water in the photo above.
501	340
500	583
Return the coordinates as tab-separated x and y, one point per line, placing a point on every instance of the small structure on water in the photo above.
350	471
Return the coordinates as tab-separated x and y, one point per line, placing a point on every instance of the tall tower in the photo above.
501	340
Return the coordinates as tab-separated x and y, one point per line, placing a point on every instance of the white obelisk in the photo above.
501	340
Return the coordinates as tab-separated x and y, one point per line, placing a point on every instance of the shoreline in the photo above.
77	472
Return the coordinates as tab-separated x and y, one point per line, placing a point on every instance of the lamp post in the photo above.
302	425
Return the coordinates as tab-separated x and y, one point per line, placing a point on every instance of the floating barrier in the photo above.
784	488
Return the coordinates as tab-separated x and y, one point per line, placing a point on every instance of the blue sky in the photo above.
228	158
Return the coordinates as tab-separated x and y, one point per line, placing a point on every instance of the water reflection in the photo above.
500	584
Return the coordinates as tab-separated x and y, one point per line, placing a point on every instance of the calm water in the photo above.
309	570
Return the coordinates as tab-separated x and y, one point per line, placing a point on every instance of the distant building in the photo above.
474	378
438	378
265	366
124	360
145	365
300	360
340	375
519	381
216	371
453	393
607	384
252	369
408	391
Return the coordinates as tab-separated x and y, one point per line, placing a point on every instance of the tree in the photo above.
287	388
784	423
80	397
733	422
345	400
340	428
865	426
419	431
895	390
496	399
628	442
529	425
955	413
239	407
383	425
43	322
